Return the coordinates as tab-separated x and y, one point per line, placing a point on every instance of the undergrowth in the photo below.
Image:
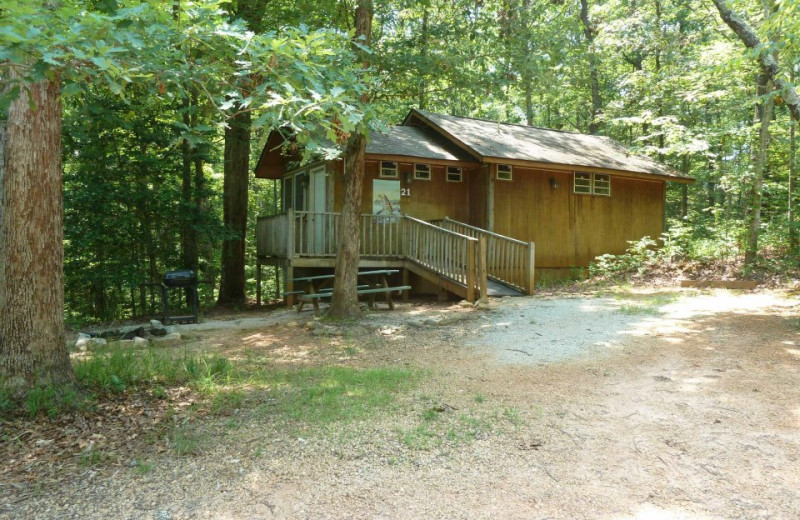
308	396
679	253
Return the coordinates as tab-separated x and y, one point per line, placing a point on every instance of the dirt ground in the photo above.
667	405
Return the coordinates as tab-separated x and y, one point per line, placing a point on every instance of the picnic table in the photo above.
369	282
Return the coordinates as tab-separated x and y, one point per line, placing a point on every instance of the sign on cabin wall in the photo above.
386	198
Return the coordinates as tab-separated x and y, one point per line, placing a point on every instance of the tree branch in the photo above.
765	59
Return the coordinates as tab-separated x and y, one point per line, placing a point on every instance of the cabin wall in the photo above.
426	200
477	179
571	229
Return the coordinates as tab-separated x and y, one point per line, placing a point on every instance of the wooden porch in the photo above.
462	259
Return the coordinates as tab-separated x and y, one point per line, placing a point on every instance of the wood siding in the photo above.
429	200
571	229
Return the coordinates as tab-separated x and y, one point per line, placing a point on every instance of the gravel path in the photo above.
677	407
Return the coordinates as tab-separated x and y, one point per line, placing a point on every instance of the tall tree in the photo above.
766	59
236	171
32	348
344	301
763	118
42	46
594	76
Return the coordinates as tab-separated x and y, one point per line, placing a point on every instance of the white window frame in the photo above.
582	183
454	170
502	170
601	184
585	183
388	170
417	172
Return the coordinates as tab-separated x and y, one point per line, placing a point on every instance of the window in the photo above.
601	185
592	184
504	172
453	174
388	169
583	183
422	172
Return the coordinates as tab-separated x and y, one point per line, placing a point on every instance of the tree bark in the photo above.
234	201
792	175
767	61
597	102
344	300
754	211
189	251
32	345
423	54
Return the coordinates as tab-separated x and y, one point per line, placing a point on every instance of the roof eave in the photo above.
458	142
541	165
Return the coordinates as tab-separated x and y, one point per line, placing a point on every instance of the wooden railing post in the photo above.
470	271
483	267
290	234
530	265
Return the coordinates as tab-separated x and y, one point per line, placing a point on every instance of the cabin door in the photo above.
318	199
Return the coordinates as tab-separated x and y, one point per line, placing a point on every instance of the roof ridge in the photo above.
520	125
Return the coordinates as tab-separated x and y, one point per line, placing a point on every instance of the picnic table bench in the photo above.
373	283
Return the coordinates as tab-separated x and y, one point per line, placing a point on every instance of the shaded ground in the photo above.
632	406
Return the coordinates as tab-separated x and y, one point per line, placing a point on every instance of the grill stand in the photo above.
192	318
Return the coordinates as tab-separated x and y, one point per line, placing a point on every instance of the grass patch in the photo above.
143	467
116	369
184	441
649	305
319	396
447	430
94	457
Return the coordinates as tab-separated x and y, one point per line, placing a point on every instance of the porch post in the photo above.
483	268
490	197
289	271
258	280
530	267
470	271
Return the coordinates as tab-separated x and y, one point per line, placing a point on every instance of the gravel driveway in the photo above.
678	405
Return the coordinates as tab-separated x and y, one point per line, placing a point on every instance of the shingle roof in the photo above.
490	139
413	142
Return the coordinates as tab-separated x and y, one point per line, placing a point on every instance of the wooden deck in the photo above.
456	257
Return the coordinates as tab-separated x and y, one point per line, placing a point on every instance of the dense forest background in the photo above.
145	165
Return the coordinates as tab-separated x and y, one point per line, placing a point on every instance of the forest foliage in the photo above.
665	77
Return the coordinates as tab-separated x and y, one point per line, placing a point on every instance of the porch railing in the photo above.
509	260
273	235
446	253
464	254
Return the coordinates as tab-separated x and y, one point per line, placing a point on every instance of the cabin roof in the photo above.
492	140
413	141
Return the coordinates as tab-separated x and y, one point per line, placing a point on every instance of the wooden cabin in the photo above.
444	196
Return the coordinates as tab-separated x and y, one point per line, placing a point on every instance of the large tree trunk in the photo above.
32	348
344	301
764	111
234	202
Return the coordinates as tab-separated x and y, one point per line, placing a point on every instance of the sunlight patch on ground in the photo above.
794	352
651	512
796	413
677	317
722	301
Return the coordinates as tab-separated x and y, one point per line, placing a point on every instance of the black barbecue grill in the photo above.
185	280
